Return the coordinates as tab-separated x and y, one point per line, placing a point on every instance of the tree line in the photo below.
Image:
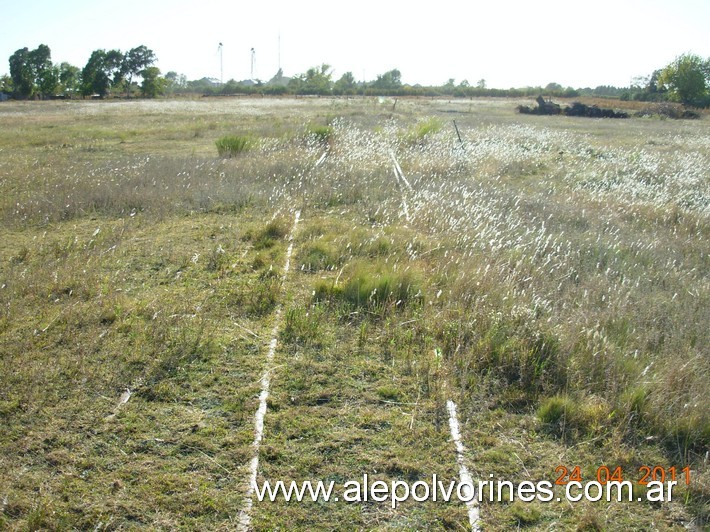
115	73
33	75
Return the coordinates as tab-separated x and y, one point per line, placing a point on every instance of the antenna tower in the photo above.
221	65
253	62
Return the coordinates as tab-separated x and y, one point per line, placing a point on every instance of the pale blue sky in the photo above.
507	42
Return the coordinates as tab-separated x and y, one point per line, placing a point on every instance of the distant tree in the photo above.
21	73
175	81
687	79
639	82
296	83
230	87
551	88
94	78
481	83
652	86
153	84
346	84
6	84
46	76
316	80
32	72
391	80
69	79
134	62
103	71
204	85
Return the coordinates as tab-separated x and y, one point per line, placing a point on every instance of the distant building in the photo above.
4	97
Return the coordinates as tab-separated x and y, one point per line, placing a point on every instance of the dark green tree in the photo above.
134	63
21	74
32	72
94	79
46	76
103	71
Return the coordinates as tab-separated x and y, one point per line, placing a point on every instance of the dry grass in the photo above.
548	265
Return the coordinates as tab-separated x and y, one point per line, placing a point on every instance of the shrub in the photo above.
231	145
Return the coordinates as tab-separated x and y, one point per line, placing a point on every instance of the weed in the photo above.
388	393
373	288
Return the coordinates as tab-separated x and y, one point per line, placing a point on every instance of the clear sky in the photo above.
509	43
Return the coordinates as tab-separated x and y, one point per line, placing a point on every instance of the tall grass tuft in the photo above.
373	289
321	134
233	145
423	129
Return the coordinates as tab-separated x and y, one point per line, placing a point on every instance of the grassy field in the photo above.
548	274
